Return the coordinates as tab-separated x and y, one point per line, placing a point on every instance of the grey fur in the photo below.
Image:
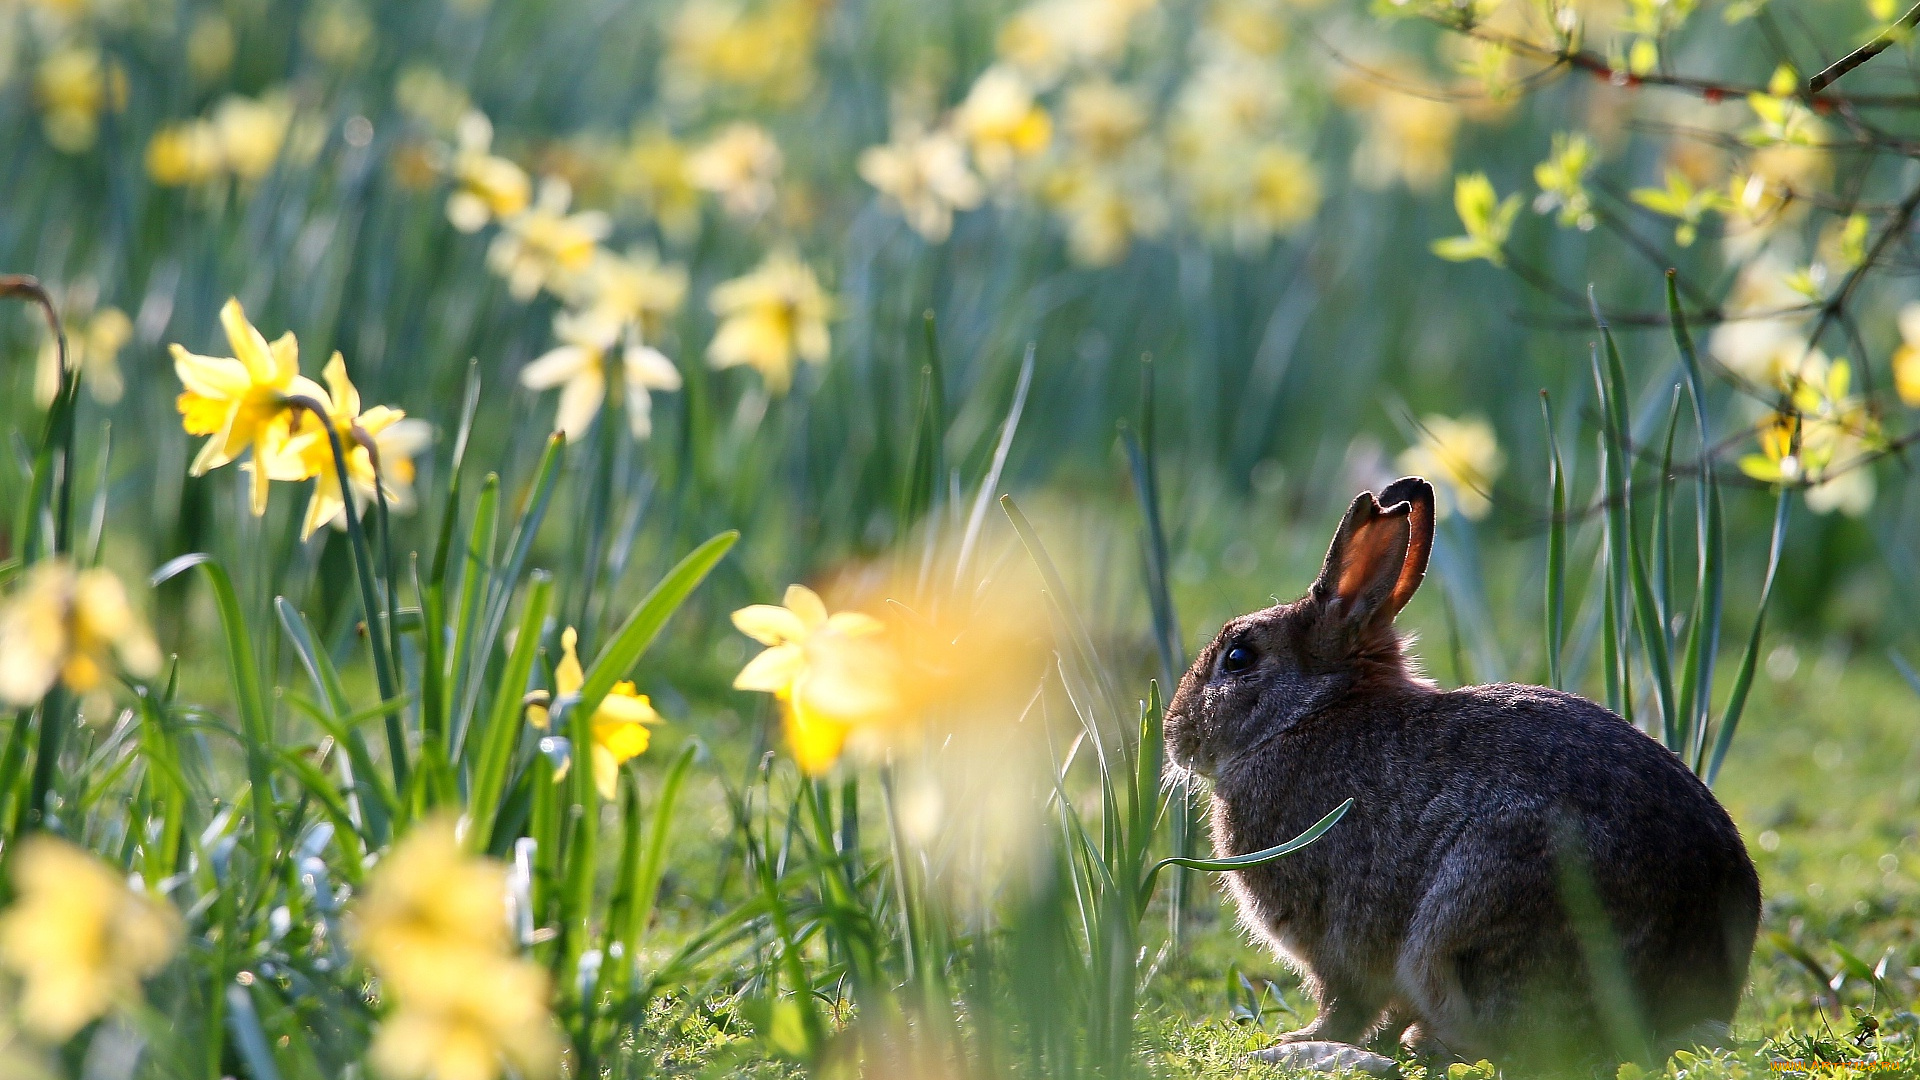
1435	907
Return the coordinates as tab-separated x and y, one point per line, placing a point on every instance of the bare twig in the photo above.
1865	52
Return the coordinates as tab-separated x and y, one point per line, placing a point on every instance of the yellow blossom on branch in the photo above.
79	938
432	924
834	675
1487	218
241	401
1562	180
771	317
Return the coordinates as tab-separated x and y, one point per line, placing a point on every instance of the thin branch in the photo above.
1864	53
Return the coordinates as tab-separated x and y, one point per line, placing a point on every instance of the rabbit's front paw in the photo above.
1320	1056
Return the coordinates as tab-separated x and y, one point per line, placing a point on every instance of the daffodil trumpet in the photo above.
383	645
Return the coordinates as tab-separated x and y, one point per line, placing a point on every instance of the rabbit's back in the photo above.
1476	811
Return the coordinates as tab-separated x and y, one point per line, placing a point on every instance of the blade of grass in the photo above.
496	739
1556	550
1743	677
641	627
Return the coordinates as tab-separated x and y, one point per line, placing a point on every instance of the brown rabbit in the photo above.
1440	905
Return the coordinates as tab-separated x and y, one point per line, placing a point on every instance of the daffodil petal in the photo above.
769	625
773	671
807	604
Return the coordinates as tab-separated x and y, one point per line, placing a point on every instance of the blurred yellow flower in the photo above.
833	674
924	175
770	317
241	400
78	936
1761	338
1824	450
74	85
1048	37
432	924
1103	119
654	173
1001	122
634	289
579	367
1463	459
210	46
1104	210
308	453
252	132
543	242
338	32
1487	219
740	166
434	100
1408	139
764	51
1284	194
488	187
185	154
1906	358
1226	102
94	341
69	625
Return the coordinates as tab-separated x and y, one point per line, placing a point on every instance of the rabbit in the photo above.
1442	907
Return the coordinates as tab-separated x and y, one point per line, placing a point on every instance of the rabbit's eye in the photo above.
1237	658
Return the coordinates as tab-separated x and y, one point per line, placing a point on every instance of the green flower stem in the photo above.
378	640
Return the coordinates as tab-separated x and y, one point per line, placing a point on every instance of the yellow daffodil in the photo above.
1102	119
1227	102
1487	219
1778	461
1104	209
1048	37
309	453
770	317
210	46
74	85
94	341
1001	122
1906	358
185	154
1408	138
740	166
69	625
1463	458
654	174
634	289
834	675
1282	194
241	400
579	367
544	242
252	132
432	924
925	175
79	938
764	52
1823	455
620	725
490	187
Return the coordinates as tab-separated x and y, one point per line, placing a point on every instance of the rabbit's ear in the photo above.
1369	554
1418	495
